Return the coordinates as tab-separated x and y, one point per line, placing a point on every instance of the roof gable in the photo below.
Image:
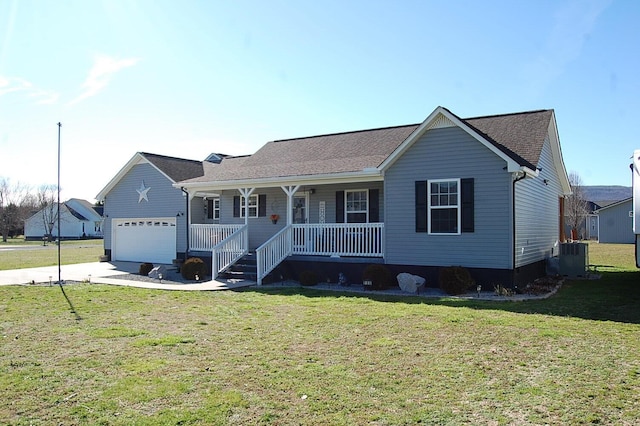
174	169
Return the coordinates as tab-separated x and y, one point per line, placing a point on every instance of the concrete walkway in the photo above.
108	273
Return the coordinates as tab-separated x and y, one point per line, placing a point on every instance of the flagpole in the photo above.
59	241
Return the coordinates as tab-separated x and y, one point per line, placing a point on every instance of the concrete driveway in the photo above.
107	273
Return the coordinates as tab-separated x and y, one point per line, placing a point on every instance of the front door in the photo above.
300	216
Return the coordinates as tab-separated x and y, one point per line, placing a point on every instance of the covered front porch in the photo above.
276	232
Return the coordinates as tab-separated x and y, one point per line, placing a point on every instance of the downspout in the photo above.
513	219
186	254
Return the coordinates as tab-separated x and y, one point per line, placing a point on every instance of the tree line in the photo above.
18	202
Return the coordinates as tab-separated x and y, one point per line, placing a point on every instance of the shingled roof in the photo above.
520	136
178	169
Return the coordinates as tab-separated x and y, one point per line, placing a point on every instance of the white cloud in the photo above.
22	86
104	67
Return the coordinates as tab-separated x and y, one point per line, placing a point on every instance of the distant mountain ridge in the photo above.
607	194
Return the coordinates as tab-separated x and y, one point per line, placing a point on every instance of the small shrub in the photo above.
308	278
145	268
379	275
192	267
455	280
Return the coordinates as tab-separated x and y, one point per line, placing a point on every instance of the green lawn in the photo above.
80	251
297	356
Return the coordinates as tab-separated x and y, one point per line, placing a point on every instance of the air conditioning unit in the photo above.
574	259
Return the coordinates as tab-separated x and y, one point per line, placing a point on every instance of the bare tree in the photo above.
576	205
12	197
47	203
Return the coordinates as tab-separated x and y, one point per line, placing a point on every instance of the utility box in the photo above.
574	259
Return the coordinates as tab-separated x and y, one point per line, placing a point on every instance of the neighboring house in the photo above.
616	223
78	219
145	215
485	193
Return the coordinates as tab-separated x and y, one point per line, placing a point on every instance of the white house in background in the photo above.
78	219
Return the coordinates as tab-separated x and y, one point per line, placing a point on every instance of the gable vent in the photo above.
441	122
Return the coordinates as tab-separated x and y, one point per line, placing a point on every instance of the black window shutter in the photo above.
421	206
209	209
339	206
236	206
262	205
467	196
374	205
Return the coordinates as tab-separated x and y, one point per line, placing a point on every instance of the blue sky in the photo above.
187	78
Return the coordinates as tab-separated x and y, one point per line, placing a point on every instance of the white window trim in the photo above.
346	204
216	208
243	206
458	206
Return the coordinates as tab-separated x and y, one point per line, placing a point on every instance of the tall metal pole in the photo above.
59	241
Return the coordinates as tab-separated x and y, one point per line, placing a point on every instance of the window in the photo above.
216	208
253	206
444	206
356	206
213	208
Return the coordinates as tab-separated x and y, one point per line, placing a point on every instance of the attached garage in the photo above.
144	240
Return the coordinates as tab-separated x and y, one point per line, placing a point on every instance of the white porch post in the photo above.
290	191
246	193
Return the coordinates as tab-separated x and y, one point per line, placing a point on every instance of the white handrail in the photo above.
203	237
229	251
341	239
273	252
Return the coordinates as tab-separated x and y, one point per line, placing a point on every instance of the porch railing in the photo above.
272	252
352	239
203	237
229	251
341	239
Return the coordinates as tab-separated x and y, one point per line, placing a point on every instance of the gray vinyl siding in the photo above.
449	153
537	213
616	224
164	201
261	228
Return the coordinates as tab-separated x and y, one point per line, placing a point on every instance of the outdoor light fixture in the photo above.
479	288
160	277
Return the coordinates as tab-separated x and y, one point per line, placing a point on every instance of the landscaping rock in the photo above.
409	282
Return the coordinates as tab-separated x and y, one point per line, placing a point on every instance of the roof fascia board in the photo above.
512	166
328	179
617	203
138	158
556	153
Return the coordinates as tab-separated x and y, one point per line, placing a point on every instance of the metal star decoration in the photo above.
142	192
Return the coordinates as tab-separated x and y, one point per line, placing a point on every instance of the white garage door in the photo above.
144	240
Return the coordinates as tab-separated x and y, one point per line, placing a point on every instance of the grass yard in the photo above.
288	356
80	251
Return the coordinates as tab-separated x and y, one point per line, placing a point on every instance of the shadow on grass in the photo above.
614	297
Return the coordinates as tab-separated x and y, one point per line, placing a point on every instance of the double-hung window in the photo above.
444	206
213	208
357	206
252	206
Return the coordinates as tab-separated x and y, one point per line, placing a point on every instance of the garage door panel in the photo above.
145	240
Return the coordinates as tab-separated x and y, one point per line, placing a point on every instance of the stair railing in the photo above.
229	251
270	254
